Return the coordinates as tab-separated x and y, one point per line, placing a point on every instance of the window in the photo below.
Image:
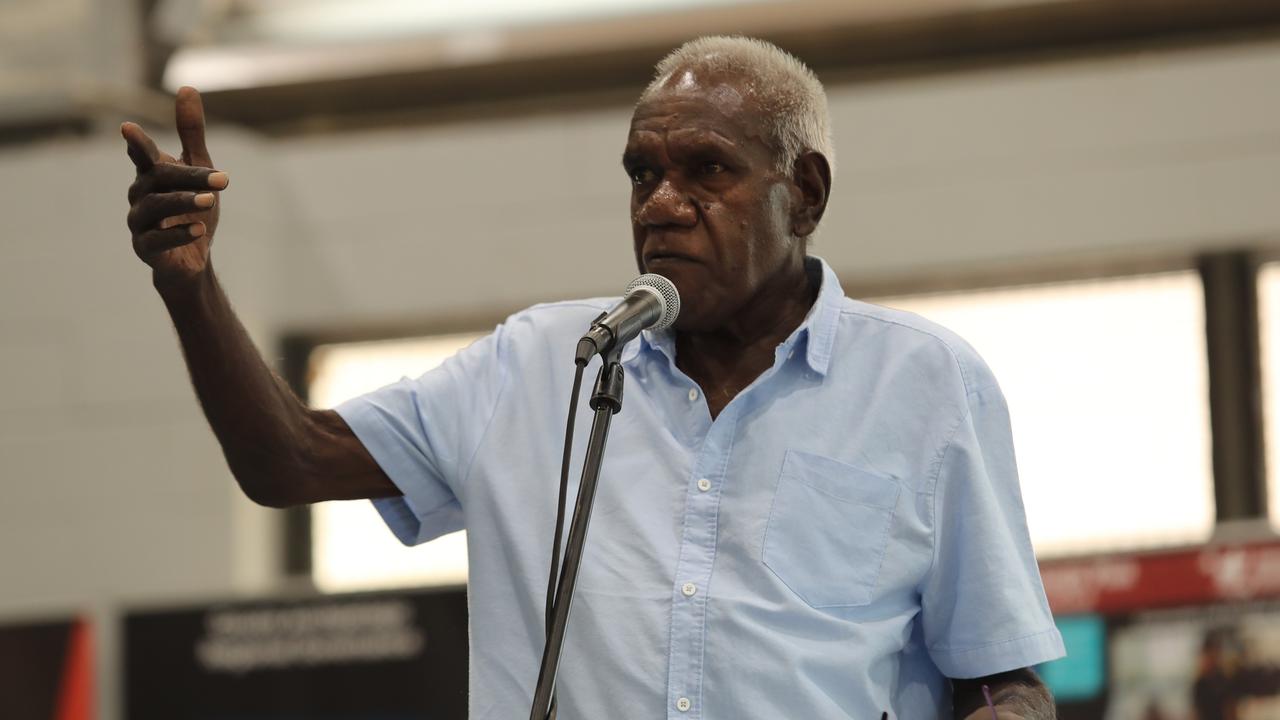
1106	382
1107	385
352	549
1269	318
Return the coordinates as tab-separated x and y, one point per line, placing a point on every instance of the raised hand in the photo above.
173	202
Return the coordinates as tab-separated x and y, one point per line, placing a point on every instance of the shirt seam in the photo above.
385	427
933	489
979	391
423	516
987	646
583	303
847	501
484	434
955	356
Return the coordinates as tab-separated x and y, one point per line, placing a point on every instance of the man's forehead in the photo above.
691	99
726	88
724	85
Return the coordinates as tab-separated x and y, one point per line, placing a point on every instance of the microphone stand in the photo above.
606	400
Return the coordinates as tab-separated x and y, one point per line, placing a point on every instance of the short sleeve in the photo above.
983	604
423	433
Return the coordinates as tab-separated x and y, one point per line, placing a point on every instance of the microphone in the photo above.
650	301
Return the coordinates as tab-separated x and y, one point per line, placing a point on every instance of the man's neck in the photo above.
724	361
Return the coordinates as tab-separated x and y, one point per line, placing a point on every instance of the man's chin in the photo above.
687	277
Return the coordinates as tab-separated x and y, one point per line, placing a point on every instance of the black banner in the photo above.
385	656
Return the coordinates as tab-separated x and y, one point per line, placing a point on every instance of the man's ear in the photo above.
811	186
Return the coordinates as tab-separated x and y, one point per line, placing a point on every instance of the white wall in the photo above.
114	490
1138	154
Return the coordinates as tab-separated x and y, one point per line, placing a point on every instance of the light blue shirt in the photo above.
843	537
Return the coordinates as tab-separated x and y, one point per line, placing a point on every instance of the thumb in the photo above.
189	114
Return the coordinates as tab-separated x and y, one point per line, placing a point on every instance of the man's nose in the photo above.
667	205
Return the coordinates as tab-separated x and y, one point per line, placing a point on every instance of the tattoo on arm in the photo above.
1018	692
1029	702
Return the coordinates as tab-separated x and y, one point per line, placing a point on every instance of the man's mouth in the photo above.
658	258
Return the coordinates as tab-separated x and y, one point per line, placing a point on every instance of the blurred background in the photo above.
1087	190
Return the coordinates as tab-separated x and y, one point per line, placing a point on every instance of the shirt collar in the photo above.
818	329
824	317
650	341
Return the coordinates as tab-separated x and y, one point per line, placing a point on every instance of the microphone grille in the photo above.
666	291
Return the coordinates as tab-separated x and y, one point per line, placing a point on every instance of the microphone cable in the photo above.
561	502
627	322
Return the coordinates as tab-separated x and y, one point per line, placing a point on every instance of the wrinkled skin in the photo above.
710	211
173	202
281	452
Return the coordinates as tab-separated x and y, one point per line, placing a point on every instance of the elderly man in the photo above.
809	507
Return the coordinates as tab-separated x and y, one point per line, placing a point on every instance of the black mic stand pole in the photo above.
606	400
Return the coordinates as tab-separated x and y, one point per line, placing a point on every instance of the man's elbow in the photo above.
270	484
266	494
322	460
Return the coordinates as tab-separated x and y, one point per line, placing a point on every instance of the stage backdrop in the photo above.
384	656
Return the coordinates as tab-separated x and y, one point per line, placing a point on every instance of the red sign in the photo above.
1200	576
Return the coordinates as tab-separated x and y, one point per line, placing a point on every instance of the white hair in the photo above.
790	97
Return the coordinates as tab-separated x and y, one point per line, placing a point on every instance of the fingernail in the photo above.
204	200
218	180
197	229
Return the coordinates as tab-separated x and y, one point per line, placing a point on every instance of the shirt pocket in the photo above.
828	529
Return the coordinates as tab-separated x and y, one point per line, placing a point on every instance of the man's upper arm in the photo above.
422	434
344	468
983	605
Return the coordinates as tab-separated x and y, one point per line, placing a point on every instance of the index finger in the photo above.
167	177
188	112
142	149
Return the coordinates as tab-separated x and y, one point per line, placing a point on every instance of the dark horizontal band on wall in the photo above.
870	40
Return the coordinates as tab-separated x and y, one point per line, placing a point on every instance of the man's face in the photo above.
708	209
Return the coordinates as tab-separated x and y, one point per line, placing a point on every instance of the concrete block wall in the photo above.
1140	154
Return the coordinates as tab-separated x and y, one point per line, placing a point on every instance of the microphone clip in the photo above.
598	336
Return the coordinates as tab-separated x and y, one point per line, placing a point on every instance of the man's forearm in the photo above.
263	428
1017	695
1018	702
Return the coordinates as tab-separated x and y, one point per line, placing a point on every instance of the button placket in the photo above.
694	567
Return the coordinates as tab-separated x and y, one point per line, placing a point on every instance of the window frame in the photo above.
295	350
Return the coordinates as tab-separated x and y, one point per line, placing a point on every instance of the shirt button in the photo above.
704	484
688	589
693	395
683	704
